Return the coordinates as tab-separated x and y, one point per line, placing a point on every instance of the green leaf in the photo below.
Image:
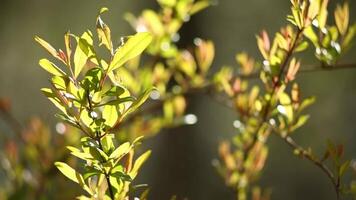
122	176
110	114
48	47
103	31
120	151
68	45
138	102
342	18
92	79
344	167
349	37
306	103
108	143
168	111
135	45
54	99
85	118
138	164
118	101
302	46
285	108
153	22
198	6
60	82
70	173
98	154
167	3
91	172
83	52
301	121
115	91
310	34
51	67
79	154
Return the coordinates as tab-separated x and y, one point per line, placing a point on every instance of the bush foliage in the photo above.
100	88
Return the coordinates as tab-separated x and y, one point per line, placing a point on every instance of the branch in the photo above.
306	154
208	89
266	113
308	69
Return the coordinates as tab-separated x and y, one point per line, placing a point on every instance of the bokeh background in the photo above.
182	157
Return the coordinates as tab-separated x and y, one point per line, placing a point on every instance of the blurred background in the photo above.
182	157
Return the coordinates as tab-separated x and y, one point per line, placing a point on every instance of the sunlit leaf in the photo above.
70	173
48	47
83	52
135	105
51	67
122	150
104	32
198	6
342	18
138	164
134	46
110	115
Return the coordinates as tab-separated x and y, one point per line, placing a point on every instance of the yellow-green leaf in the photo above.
154	22
138	164
342	18
198	6
120	151
73	175
134	46
83	52
103	31
110	115
47	46
135	105
51	67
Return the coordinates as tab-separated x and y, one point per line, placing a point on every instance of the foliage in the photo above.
94	104
101	97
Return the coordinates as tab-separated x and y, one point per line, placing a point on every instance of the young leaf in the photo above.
110	115
138	102
51	67
83	52
103	31
198	6
138	163
68	171
120	151
135	45
48	47
342	18
68	45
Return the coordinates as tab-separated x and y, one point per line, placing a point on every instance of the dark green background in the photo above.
181	160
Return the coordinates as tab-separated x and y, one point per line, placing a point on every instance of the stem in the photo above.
106	174
223	101
274	90
98	139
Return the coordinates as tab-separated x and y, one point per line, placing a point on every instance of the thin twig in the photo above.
306	154
225	101
97	138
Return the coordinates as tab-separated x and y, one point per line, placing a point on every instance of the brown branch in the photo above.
208	88
306	154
